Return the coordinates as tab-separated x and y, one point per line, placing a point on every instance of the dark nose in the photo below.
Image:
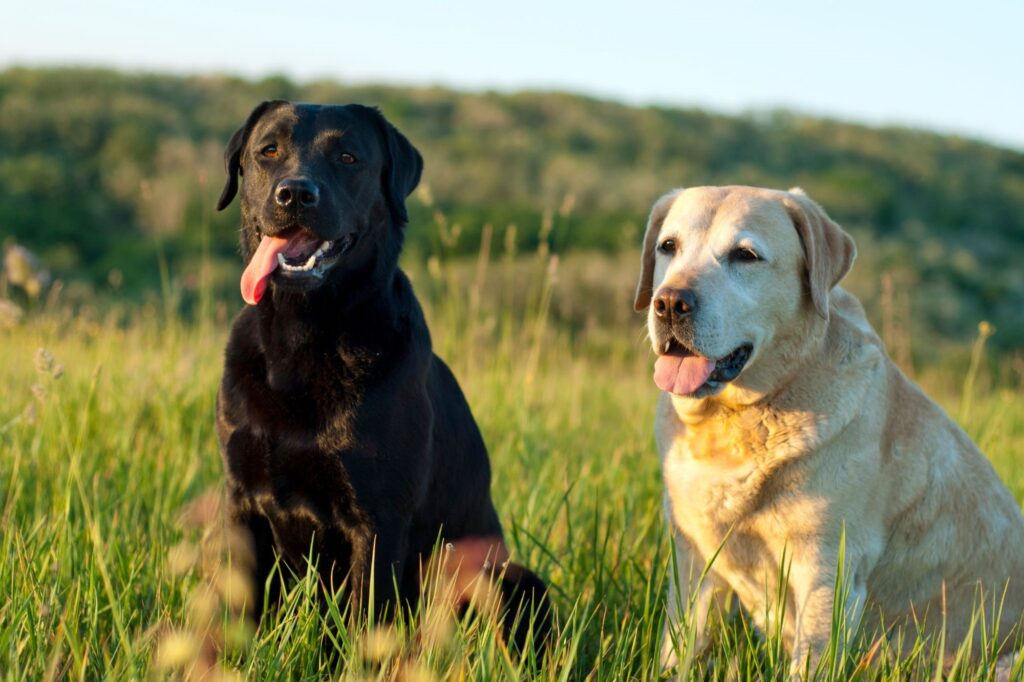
296	193
674	304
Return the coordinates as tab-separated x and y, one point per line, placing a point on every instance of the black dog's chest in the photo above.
305	436
303	491
288	449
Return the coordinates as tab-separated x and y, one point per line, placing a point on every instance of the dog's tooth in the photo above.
667	345
309	262
280	260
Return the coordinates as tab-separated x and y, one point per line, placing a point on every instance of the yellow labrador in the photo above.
787	435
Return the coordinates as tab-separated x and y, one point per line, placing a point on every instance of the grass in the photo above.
114	564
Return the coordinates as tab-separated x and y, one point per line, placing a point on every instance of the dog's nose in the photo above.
296	193
673	304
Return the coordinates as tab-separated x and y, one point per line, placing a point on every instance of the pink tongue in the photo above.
262	265
682	375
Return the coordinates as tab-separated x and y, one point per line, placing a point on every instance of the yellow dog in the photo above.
783	427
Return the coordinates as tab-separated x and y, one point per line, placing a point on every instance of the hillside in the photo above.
102	171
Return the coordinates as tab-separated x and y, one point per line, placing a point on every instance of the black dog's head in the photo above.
320	184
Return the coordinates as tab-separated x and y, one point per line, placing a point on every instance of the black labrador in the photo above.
341	431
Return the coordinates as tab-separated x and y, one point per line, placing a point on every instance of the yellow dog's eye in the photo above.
270	151
667	246
743	254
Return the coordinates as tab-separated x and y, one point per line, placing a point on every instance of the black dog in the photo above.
340	430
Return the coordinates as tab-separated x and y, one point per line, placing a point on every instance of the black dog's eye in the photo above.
667	246
743	254
347	158
270	151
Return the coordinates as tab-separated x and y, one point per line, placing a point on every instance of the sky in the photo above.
950	67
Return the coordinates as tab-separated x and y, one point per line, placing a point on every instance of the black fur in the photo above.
340	429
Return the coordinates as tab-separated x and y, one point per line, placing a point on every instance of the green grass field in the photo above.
113	562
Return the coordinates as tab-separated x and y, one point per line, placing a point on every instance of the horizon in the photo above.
749	112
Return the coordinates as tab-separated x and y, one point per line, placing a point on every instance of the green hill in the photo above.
100	170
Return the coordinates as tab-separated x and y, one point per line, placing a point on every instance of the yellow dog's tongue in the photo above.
262	265
681	374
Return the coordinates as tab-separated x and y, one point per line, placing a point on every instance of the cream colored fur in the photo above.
820	440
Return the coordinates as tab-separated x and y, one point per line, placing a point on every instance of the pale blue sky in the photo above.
955	67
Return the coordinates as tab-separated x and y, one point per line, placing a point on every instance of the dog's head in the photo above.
734	280
319	187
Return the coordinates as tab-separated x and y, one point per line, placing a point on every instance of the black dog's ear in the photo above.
233	153
402	169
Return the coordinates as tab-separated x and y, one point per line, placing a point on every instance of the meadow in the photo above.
114	559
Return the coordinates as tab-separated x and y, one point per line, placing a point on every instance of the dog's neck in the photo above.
360	331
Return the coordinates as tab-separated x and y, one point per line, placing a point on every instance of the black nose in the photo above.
296	193
674	304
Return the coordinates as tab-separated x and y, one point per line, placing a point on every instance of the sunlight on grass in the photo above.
112	566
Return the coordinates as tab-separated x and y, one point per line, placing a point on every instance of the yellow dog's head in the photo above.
735	281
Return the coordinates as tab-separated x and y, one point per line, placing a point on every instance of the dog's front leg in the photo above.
253	531
378	563
686	616
392	545
818	613
265	591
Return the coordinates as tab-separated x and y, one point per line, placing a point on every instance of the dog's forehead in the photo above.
699	210
305	122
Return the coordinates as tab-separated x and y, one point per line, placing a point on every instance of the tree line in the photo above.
105	172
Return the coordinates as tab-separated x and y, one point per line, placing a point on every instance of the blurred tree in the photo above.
98	166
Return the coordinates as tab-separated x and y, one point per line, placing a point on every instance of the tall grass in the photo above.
115	564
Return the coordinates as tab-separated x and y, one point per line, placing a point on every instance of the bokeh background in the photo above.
540	122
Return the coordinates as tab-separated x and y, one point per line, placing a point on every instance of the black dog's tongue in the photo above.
264	261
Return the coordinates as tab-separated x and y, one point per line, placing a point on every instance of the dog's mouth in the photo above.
682	371
296	254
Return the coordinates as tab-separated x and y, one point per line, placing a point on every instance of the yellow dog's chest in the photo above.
726	480
720	467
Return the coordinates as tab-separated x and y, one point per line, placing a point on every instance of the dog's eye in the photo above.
743	254
270	151
667	246
347	158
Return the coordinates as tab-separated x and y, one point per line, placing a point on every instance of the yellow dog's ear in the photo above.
645	287
829	251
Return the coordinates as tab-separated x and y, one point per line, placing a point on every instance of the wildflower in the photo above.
234	587
437	626
380	644
176	650
10	314
44	361
182	557
24	270
416	672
